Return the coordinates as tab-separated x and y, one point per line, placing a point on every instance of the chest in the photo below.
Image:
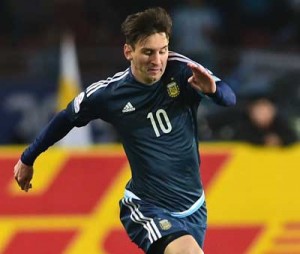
153	110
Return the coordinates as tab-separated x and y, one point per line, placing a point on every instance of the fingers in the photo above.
27	187
23	175
25	184
201	80
190	79
198	69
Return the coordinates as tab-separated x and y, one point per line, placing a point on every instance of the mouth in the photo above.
154	71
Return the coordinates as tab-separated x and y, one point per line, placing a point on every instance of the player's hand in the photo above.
202	80
23	175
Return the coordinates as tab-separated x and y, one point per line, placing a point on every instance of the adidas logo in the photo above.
128	108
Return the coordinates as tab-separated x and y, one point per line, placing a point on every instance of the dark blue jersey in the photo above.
158	128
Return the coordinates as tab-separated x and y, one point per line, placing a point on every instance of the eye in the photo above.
147	52
163	51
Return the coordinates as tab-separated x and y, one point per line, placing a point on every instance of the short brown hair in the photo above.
143	24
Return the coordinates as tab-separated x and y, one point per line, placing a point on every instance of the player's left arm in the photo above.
204	82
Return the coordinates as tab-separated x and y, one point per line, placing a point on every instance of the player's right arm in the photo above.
79	112
57	128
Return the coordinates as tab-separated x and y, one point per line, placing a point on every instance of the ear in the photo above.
128	52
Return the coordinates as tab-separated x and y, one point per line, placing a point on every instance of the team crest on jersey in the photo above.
173	89
165	224
77	102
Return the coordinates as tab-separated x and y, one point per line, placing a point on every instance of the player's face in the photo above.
148	58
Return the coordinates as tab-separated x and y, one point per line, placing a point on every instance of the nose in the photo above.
155	59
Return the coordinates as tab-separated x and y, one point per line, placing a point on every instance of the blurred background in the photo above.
52	49
252	45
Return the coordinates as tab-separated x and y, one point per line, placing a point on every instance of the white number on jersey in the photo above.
165	126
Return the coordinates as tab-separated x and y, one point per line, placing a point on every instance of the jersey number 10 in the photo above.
163	121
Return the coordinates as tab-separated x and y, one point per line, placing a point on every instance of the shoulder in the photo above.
96	97
175	57
177	60
106	86
177	65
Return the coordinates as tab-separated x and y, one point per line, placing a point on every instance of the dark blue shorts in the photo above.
146	223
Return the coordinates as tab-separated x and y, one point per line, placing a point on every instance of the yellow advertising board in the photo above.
252	198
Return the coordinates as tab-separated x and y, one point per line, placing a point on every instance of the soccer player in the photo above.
152	105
